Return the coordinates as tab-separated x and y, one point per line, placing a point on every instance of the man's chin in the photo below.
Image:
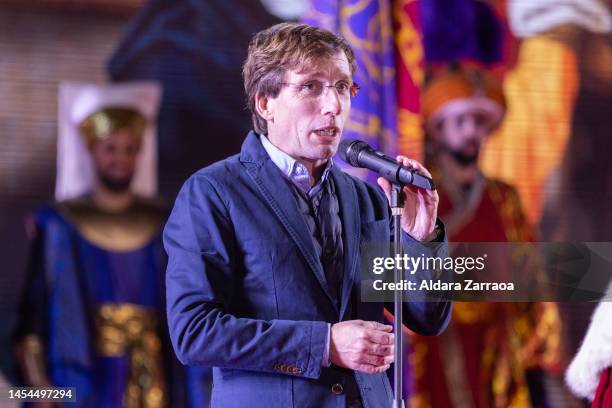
116	185
465	159
326	152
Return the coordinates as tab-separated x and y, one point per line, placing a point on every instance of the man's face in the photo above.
306	119
115	159
462	134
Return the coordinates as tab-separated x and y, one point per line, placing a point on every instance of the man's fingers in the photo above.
385	185
370	369
414	164
375	360
378	326
380	350
379	337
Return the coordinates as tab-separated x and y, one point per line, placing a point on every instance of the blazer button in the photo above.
337	389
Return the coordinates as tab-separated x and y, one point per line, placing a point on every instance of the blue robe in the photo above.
70	279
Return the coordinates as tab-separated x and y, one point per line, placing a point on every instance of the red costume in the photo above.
482	359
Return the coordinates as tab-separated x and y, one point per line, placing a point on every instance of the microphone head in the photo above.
349	150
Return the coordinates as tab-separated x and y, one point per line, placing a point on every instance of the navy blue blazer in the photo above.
246	292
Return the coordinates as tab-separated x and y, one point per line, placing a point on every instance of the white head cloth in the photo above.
286	9
75	170
532	17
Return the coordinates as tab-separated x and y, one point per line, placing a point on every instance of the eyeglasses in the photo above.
314	88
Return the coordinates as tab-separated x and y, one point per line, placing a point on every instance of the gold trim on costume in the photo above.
115	231
128	329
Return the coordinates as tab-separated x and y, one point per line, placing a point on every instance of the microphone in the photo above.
360	154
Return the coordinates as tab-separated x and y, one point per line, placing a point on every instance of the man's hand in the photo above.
361	346
420	205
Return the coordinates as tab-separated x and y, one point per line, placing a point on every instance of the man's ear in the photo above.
264	105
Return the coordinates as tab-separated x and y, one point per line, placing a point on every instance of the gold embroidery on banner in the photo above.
131	330
409	42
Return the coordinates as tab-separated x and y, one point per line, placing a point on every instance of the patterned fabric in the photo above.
131	330
410	76
322	215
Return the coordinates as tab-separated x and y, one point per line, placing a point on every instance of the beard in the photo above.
462	158
466	155
115	184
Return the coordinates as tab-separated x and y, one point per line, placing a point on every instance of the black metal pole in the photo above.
397	203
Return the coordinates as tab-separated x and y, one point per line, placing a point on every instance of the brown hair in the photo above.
282	47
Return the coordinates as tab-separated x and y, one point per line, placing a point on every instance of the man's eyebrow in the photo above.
311	74
318	74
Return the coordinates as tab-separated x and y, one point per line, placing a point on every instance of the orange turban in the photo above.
462	90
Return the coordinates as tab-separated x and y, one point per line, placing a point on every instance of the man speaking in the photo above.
264	246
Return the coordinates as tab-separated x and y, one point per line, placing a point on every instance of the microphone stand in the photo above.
397	203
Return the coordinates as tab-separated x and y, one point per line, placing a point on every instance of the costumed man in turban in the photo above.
92	315
484	358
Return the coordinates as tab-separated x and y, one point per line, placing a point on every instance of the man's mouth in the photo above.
329	131
472	146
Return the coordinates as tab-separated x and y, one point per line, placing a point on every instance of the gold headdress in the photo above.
106	121
89	113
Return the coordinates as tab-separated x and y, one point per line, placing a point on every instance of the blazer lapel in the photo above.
351	233
274	189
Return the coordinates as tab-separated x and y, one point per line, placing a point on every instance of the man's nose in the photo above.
468	126
331	103
123	156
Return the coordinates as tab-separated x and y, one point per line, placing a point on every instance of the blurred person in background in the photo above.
492	353
92	314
